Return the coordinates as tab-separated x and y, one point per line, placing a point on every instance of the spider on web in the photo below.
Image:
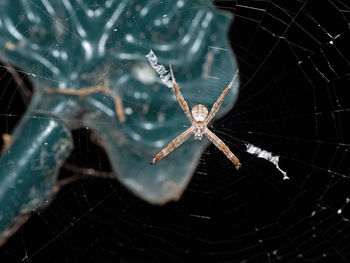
199	119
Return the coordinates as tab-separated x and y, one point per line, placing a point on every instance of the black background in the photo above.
224	215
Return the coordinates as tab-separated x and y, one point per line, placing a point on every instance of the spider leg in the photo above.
173	145
223	147
180	98
219	101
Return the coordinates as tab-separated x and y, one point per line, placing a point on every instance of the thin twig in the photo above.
118	103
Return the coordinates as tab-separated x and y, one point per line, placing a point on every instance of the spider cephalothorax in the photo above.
199	119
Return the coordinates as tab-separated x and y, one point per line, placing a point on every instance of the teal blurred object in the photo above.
72	45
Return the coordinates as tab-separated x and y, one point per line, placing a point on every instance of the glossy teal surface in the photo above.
28	168
74	45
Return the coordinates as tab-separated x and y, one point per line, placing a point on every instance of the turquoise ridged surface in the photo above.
70	45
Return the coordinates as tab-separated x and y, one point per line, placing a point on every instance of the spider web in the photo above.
294	65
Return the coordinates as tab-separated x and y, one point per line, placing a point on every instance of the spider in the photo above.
199	119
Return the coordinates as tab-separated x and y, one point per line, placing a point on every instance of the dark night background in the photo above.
224	215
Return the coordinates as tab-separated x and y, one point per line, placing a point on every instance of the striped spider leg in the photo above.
199	119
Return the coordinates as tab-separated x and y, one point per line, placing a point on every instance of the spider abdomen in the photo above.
199	112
